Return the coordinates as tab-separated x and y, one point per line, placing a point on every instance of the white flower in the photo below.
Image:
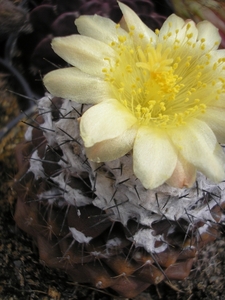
159	95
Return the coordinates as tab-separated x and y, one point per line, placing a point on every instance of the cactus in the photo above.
92	220
95	219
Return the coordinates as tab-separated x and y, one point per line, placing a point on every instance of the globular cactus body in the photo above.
96	221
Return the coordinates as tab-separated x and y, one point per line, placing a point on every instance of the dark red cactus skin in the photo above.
120	267
56	18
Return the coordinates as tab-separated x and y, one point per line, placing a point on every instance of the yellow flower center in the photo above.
164	84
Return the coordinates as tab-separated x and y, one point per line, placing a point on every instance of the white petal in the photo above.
132	19
210	33
85	53
73	84
198	145
215	119
109	150
216	56
172	24
100	28
178	35
154	157
106	120
183	175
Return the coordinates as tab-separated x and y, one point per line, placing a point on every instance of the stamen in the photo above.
160	85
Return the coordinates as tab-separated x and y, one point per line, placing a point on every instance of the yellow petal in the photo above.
73	84
104	121
109	150
210	34
183	175
100	28
154	157
198	145
132	20
85	53
215	118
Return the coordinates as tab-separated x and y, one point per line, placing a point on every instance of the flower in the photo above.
211	10
48	19
158	95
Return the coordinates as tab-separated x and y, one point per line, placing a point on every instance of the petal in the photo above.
215	119
216	17
104	121
85	53
216	57
100	28
132	19
172	29
173	22
183	175
210	34
198	145
109	150
220	103
73	84
154	157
